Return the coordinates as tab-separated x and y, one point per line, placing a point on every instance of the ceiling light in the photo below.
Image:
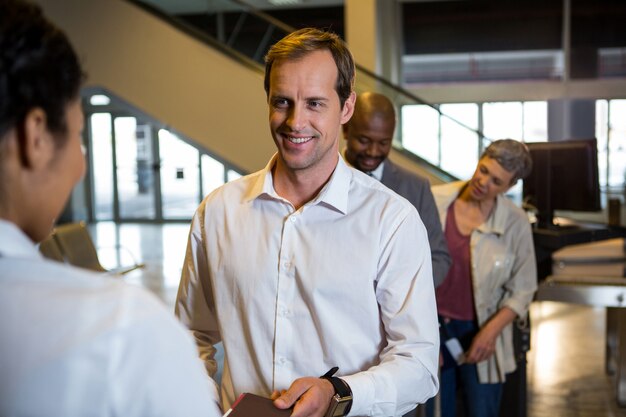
99	100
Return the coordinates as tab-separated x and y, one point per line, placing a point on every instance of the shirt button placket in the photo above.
284	349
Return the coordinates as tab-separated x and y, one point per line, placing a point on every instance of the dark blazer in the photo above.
416	189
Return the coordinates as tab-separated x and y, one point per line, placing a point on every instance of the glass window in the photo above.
602	134
102	164
420	131
135	182
503	120
617	143
232	175
459	144
535	121
212	174
180	183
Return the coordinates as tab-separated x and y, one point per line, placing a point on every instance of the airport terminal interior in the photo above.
174	107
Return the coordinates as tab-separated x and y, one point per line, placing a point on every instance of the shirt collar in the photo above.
334	193
262	183
377	173
496	222
14	243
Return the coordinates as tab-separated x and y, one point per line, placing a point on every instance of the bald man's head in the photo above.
369	132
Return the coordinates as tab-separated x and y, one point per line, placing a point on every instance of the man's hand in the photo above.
310	395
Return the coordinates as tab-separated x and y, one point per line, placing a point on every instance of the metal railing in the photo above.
246	33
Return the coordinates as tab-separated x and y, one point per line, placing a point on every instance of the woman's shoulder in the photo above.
513	214
445	193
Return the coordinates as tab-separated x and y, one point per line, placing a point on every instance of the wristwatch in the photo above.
341	402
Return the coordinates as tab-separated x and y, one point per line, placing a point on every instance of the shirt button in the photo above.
293	219
287	264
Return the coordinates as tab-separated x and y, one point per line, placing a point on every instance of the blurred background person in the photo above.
491	282
368	135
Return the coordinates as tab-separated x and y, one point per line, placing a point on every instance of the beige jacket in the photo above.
504	272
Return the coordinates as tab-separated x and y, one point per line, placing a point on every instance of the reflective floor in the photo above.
566	363
565	371
160	247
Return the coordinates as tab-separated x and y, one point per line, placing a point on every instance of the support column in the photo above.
373	32
571	119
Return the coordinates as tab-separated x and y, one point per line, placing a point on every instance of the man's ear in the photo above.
348	108
36	144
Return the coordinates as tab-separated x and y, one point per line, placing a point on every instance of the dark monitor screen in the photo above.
564	177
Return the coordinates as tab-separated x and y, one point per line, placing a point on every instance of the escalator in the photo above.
205	85
237	25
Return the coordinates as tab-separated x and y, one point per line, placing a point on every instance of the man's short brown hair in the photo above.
301	42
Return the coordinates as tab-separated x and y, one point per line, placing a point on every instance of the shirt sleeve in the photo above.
523	282
160	365
438	247
194	300
407	372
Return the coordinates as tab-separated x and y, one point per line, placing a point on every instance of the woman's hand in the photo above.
484	343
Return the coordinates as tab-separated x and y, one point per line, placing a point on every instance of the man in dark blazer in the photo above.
369	135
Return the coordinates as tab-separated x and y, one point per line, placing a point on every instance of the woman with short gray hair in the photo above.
491	281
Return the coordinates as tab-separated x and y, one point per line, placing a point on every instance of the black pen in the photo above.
330	372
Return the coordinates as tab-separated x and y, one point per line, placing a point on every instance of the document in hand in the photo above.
250	405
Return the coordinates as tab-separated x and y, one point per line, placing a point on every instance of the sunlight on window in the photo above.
420	131
617	143
212	174
459	143
180	183
602	134
126	151
535	121
101	146
232	175
503	120
135	177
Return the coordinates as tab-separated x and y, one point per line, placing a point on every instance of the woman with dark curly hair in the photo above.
73	343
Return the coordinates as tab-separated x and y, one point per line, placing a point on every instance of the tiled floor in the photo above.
566	375
565	371
160	247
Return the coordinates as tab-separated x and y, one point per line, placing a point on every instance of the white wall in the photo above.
190	87
521	91
181	82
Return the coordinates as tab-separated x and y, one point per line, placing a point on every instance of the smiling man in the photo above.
309	265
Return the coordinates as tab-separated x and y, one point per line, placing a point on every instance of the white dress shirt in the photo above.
75	343
292	293
378	172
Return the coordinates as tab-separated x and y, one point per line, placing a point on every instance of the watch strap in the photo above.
340	385
343	393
